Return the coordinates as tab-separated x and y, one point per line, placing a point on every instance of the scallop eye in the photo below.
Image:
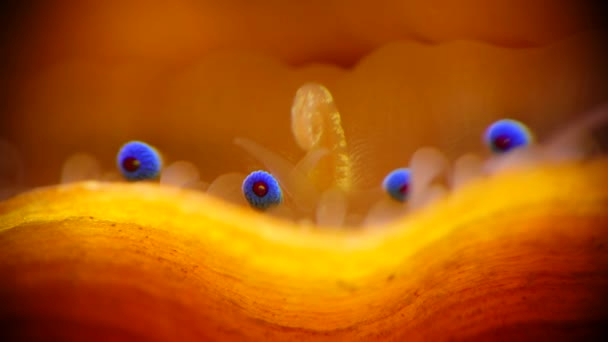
397	184
505	135
261	190
138	161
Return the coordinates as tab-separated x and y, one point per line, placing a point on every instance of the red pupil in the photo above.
502	142
260	188
403	189
130	164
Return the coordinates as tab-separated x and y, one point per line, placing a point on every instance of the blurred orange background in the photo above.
85	76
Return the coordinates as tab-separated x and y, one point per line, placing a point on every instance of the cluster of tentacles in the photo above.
321	188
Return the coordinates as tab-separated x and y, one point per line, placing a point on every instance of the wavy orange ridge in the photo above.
138	261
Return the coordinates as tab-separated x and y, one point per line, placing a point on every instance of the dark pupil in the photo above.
260	189
502	142
130	164
403	189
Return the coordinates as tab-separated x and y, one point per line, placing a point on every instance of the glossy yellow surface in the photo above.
516	255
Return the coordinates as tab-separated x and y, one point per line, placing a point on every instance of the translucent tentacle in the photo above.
293	181
426	165
80	167
580	139
316	123
384	211
465	169
331	210
180	174
228	188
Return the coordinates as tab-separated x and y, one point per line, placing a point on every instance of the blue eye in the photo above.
261	190
397	184
505	135
138	161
